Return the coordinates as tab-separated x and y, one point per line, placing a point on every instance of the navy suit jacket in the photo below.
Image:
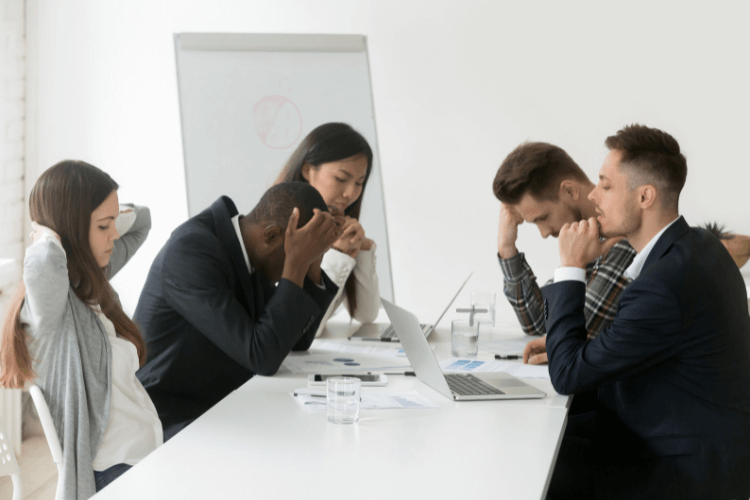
210	325
672	372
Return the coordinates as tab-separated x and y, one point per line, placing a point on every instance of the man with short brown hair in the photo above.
540	183
673	368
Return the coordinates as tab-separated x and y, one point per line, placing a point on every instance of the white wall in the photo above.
12	130
456	85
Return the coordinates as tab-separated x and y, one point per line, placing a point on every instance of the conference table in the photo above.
258	442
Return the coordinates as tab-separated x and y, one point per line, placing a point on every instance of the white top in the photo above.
134	429
338	266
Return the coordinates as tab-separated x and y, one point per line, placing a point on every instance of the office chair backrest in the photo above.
49	432
8	462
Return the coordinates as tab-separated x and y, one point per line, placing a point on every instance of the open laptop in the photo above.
385	332
456	386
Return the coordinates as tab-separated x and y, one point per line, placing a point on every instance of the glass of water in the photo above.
464	338
484	300
343	399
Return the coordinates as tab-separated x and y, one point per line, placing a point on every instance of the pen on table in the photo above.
311	395
510	356
405	374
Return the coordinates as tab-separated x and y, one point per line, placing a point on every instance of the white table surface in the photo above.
258	442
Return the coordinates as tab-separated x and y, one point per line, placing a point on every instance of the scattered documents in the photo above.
332	361
316	400
505	347
374	348
515	368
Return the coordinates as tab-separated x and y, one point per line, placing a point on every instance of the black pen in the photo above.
311	395
405	374
510	356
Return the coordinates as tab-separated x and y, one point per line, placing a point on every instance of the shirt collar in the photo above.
236	224
635	267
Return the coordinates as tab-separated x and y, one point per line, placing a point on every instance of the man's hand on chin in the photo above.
579	243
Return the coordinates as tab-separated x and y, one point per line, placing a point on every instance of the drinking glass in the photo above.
343	399
464	338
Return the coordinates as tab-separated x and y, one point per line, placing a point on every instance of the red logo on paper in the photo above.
278	121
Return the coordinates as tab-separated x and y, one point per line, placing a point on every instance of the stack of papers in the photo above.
374	348
515	368
316	400
330	356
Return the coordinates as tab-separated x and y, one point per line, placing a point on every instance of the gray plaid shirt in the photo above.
604	285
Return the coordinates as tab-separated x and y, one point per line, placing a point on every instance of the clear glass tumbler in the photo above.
464	338
484	300
343	399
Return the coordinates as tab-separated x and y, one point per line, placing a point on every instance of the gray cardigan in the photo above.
72	353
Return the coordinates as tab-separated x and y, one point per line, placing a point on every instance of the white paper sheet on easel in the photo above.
515	368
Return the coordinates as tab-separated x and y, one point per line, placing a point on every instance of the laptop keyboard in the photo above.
465	384
390	332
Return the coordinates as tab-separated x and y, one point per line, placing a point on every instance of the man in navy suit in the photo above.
673	368
211	311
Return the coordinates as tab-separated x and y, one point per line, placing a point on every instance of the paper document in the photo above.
515	368
506	347
374	348
316	400
317	361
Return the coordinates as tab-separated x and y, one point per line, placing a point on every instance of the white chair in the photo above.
8	462
49	432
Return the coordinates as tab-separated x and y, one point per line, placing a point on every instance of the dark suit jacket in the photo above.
673	373
210	325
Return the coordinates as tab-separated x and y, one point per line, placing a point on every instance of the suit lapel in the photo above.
675	231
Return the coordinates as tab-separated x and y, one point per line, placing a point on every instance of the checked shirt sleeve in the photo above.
523	293
605	284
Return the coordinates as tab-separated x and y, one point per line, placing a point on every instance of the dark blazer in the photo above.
210	325
673	373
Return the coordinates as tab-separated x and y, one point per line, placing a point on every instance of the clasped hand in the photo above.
535	352
579	243
352	239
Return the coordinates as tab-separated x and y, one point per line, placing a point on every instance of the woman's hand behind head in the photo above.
40	230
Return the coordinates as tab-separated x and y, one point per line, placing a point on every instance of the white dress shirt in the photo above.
236	224
635	267
632	272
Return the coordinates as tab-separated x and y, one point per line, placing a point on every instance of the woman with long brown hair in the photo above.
336	160
65	329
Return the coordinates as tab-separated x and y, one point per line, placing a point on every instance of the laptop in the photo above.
456	386
381	332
